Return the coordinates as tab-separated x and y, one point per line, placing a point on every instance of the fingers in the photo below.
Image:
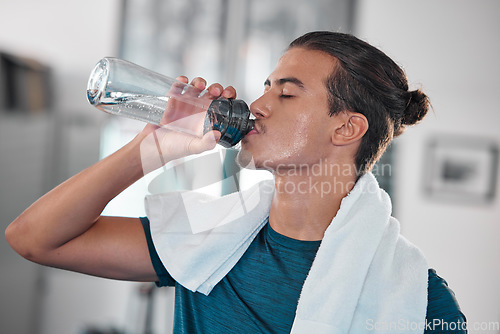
183	79
199	83
162	145
178	87
229	92
194	88
207	142
214	91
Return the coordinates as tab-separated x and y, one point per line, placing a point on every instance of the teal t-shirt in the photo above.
261	292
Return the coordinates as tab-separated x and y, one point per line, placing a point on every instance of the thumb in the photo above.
205	143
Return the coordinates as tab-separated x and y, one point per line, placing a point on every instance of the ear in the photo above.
350	127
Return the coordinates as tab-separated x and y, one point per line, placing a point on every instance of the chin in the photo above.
246	159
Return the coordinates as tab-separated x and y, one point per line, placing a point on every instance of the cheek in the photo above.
299	134
307	130
311	138
295	140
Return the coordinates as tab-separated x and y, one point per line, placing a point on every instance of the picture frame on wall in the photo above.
461	169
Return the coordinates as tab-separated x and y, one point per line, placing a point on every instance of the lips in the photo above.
255	130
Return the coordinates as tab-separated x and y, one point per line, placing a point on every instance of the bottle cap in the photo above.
231	118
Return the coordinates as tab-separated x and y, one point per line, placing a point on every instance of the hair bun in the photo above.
416	109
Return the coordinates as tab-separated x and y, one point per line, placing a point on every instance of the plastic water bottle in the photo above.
123	88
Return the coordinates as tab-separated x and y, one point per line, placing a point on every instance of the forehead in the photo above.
312	67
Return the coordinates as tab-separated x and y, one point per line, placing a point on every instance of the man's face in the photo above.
293	126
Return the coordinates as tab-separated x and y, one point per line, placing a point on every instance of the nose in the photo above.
259	108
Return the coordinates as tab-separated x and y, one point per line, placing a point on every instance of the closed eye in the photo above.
285	96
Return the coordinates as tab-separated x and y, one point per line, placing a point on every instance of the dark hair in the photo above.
367	81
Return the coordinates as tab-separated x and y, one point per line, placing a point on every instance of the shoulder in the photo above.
443	311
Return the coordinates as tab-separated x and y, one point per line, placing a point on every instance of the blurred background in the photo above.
442	173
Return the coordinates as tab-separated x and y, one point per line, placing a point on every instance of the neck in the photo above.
306	200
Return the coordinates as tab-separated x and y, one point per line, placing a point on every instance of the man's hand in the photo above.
181	130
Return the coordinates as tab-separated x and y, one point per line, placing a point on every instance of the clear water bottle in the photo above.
122	88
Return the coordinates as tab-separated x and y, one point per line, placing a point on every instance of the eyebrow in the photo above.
282	81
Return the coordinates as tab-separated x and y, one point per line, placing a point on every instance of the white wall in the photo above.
450	48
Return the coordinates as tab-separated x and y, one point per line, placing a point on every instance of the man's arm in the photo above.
65	229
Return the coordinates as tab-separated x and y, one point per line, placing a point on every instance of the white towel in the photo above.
366	277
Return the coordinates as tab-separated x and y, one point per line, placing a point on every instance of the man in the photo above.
319	253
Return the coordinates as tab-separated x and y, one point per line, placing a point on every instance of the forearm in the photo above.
72	207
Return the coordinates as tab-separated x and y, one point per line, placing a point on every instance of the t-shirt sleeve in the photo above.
443	312
164	278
